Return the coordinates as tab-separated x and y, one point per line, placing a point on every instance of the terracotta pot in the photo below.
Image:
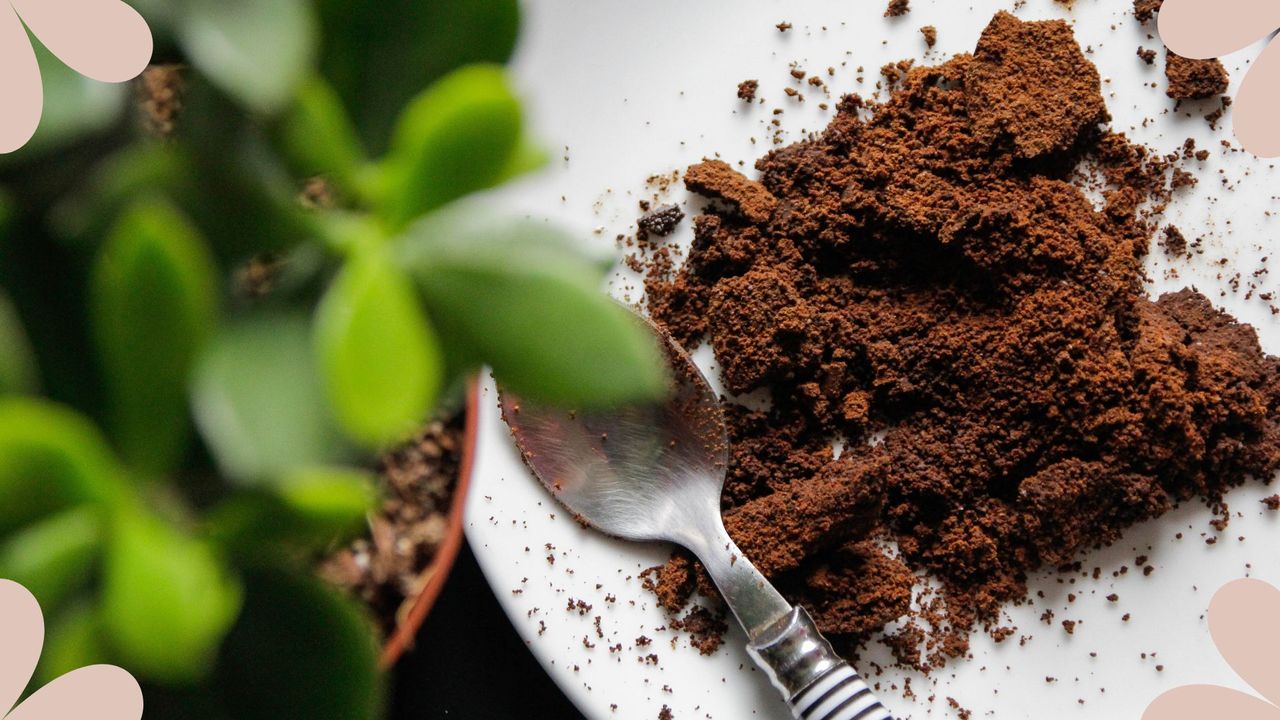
433	577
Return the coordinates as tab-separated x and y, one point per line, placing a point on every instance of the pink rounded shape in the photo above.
1256	111
22	633
101	692
1197	702
21	95
1213	28
101	39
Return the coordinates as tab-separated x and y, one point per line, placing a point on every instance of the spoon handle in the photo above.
816	682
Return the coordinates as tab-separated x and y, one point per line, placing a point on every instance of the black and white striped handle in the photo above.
841	694
817	683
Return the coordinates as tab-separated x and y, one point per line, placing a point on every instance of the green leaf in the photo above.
299	650
379	60
154	304
317	135
18	373
259	403
313	508
330	497
257	51
457	137
520	298
74	641
51	458
528	157
168	600
380	359
53	557
244	208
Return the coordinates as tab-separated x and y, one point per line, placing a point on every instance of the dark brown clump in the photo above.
931	270
660	221
897	8
706	629
1144	10
1148	56
930	34
1272	502
1194	79
747	90
1173	242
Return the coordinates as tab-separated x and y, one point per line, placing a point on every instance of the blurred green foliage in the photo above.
208	332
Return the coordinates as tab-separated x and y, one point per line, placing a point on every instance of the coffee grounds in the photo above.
1144	10
1173	242
897	8
930	34
747	90
715	179
930	281
1194	79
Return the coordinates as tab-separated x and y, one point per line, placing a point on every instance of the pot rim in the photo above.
437	572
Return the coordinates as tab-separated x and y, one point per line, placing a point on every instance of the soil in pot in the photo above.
386	567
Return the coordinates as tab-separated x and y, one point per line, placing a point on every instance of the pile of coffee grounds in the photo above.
1194	79
950	283
384	568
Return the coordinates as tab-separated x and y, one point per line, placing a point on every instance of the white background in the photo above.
625	90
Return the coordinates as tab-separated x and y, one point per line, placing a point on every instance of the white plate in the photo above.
626	89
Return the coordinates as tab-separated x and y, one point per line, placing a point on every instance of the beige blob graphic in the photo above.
1242	622
1213	28
104	40
100	692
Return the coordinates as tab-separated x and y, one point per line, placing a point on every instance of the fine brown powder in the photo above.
931	281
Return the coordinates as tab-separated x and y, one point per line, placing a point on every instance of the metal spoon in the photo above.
654	473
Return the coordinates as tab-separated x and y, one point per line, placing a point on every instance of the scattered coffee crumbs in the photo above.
384	568
1148	56
783	26
665	713
897	8
1272	503
930	34
930	271
747	89
1144	10
1194	79
961	712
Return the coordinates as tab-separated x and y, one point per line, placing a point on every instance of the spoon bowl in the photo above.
643	472
654	471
